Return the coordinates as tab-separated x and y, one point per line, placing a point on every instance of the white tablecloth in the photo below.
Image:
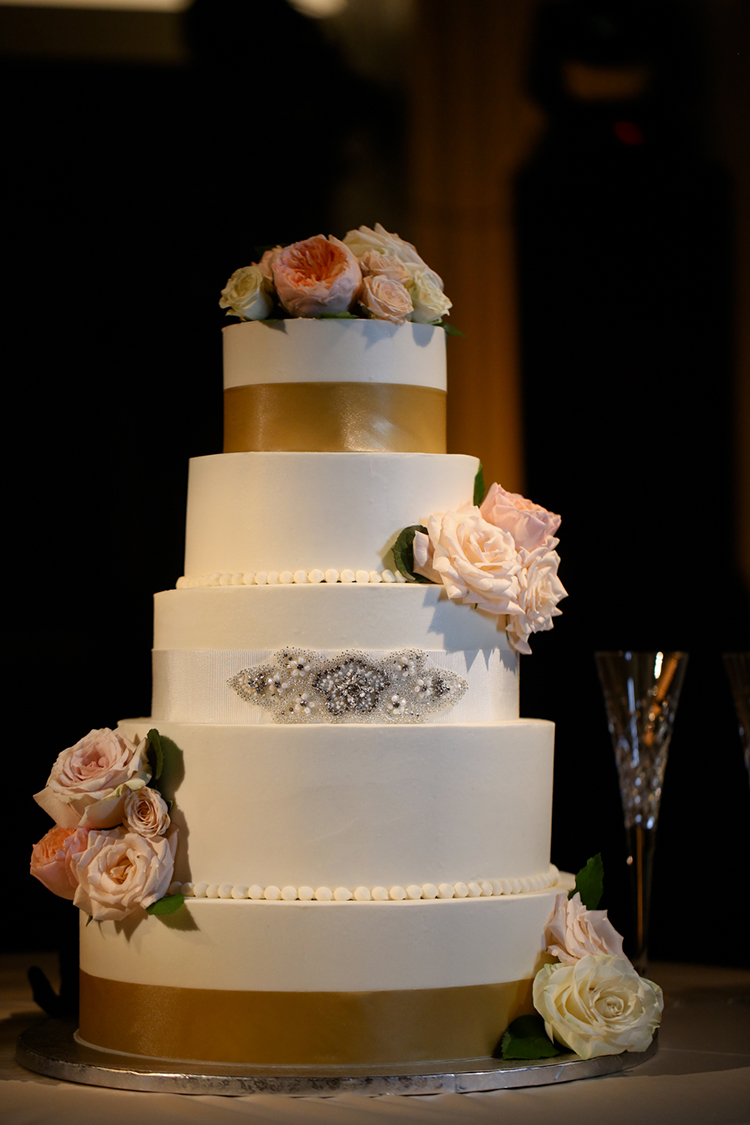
700	1076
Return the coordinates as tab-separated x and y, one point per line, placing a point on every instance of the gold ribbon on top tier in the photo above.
353	385
340	417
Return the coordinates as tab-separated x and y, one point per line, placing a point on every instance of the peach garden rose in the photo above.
316	276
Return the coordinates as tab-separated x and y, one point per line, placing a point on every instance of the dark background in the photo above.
143	162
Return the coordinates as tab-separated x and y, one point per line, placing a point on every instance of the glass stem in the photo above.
641	864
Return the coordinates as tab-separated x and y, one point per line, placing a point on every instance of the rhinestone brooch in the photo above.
350	687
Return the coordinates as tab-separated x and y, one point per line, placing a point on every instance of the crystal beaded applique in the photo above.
351	687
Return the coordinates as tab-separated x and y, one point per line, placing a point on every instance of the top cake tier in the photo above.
334	386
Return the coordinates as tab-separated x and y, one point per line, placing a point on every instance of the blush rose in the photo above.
386	299
475	561
88	782
530	525
540	590
145	812
573	931
120	871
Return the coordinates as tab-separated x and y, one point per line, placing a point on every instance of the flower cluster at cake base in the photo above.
498	556
371	273
592	1001
111	850
351	687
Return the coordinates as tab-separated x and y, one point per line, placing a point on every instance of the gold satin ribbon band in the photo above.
299	1028
334	418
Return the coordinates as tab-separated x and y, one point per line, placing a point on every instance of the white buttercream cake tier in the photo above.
278	512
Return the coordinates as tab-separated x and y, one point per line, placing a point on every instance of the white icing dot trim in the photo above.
288	578
485	888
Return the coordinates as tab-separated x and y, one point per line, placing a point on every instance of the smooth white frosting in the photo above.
349	805
302	511
342	616
334	351
326	946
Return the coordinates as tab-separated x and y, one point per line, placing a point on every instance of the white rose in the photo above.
540	591
89	781
145	812
385	299
573	931
598	1006
247	294
120	871
430	303
366	238
475	561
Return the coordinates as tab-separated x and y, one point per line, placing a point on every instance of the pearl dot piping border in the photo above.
485	888
289	578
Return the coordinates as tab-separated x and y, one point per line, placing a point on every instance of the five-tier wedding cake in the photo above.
330	843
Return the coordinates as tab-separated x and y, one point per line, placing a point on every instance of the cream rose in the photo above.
430	303
390	246
598	1005
120	871
573	931
89	781
540	591
145	812
385	299
475	561
319	275
247	294
530	525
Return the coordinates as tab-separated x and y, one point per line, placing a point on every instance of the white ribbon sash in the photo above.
191	685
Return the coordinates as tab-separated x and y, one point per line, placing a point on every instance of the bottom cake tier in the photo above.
314	983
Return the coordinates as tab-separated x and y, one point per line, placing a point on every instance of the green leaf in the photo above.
479	486
590	883
155	751
166	905
449	329
403	554
527	1039
338	316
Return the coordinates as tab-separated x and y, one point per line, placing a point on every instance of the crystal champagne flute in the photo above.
641	692
737	665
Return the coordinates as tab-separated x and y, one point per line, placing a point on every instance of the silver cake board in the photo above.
51	1048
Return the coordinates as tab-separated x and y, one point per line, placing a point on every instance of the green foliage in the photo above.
479	488
166	905
590	883
527	1039
155	753
403	554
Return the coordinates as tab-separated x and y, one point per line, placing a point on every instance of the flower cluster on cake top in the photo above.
112	847
497	554
371	273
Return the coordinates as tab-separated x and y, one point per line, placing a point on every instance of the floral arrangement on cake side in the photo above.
591	1001
370	274
497	554
111	850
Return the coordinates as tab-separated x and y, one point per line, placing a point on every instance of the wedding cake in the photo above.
330	843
